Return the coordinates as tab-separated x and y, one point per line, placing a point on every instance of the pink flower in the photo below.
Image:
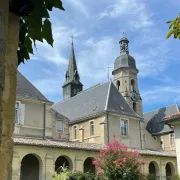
124	160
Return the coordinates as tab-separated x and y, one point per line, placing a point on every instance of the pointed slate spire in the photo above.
72	77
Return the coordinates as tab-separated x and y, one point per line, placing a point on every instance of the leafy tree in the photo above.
22	24
116	162
174	28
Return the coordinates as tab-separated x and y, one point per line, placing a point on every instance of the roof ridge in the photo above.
107	100
86	90
159	108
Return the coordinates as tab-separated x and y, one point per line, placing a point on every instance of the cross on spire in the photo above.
72	38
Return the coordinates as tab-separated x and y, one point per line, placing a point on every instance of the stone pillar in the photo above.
81	134
162	170
146	168
16	167
49	166
78	164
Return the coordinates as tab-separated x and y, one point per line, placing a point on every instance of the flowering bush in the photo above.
116	162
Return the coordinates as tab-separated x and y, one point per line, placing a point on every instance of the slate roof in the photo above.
27	90
82	146
97	100
154	119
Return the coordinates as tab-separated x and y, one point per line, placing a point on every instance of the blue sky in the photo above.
97	27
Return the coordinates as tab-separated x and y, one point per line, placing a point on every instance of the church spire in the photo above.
72	83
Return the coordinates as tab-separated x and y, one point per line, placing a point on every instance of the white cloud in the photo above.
62	40
133	11
161	94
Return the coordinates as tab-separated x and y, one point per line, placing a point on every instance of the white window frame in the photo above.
73	132
172	140
90	126
57	130
17	121
127	126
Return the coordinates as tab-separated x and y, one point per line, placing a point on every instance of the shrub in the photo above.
81	176
116	162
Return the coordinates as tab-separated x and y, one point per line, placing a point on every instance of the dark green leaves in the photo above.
47	32
174	28
34	27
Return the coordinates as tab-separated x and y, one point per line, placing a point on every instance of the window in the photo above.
172	139
59	125
17	113
91	128
132	85
124	127
134	106
75	132
118	85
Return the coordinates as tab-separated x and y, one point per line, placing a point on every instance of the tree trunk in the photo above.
8	97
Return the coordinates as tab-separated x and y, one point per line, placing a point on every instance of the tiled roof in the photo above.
153	119
27	90
81	146
174	116
94	101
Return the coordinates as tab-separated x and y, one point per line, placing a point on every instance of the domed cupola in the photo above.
124	60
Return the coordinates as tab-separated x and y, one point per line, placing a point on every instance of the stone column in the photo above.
16	167
49	166
78	164
162	170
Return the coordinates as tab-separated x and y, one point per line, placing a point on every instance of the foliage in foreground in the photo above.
35	24
174	28
66	174
116	162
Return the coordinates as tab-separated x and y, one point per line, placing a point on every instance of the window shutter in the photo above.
22	113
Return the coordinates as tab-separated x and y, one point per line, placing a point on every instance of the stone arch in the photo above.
154	170
63	161
170	171
89	166
30	167
118	85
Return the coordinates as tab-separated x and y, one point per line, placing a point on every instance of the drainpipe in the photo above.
108	128
140	134
44	121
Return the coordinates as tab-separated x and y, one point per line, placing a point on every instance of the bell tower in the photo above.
125	77
72	83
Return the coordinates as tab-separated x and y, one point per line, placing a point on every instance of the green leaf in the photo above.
169	33
56	4
47	32
28	44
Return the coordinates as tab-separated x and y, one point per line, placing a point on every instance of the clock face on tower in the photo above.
134	96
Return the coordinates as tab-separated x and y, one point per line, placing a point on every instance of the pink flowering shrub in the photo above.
115	162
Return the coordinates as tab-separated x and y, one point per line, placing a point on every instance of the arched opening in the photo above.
134	106
89	166
154	170
132	85
29	168
118	85
170	171
62	161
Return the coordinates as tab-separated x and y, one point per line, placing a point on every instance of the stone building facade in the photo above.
71	132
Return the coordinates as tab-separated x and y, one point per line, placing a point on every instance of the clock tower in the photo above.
125	77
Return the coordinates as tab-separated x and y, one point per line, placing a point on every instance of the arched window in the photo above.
134	106
154	170
170	171
62	161
132	85
30	168
89	166
118	85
